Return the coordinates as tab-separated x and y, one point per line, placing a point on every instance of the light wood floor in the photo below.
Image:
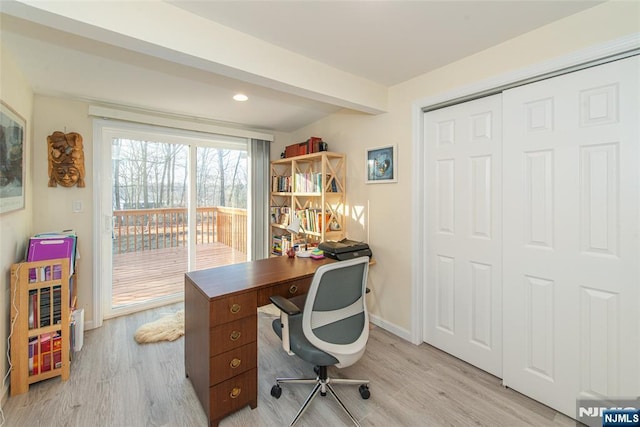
118	383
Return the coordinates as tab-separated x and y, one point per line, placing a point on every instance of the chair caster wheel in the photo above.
276	391
364	391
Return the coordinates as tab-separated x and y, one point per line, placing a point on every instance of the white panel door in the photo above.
571	244
463	232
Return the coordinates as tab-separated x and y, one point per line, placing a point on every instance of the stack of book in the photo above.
280	214
312	145
312	220
280	245
45	353
44	246
45	302
46	309
281	184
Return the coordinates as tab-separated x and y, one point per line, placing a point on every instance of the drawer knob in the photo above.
235	308
235	335
293	289
235	392
235	363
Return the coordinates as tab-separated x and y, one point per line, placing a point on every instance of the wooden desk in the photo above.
220	350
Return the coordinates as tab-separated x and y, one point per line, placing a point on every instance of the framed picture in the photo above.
12	141
382	165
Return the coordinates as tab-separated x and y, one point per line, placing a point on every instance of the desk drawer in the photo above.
233	394
231	308
231	363
232	335
286	290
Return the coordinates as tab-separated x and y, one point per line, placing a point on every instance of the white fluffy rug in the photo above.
167	328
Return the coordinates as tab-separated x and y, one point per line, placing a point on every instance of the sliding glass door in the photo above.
172	202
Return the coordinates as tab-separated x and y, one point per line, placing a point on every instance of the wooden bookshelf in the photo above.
41	301
313	187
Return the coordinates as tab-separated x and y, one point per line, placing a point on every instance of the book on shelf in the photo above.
308	182
281	184
280	244
49	304
45	353
280	214
331	185
33	309
312	145
51	352
33	356
313	219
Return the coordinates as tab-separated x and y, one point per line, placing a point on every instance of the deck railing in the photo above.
148	229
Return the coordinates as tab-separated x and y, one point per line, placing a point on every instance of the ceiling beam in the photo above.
164	31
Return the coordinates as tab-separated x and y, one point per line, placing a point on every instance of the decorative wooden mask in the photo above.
66	159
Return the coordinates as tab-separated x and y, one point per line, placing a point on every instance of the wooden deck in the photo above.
139	276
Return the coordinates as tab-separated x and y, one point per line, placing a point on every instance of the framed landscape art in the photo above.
12	141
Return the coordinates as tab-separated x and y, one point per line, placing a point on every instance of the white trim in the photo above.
103	131
176	122
593	53
573	59
392	328
417	224
98	315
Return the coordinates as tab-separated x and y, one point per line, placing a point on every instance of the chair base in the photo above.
322	384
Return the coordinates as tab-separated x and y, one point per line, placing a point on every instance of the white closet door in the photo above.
463	232
571	243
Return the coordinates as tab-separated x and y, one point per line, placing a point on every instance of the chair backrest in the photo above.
335	317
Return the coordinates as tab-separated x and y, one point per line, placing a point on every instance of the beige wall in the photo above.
53	205
15	227
389	212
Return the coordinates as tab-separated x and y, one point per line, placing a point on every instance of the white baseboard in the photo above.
89	325
394	329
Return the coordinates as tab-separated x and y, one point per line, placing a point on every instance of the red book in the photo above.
291	150
33	356
314	144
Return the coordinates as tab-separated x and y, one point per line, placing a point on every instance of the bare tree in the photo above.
147	173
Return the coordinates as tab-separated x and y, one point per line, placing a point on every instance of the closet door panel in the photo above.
571	236
463	271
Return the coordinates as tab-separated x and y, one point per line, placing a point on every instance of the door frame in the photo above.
102	259
583	58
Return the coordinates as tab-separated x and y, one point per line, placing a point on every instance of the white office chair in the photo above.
331	330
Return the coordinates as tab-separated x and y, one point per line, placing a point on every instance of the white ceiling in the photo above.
382	43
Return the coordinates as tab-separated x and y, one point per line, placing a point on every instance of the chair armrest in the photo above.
287	308
285	305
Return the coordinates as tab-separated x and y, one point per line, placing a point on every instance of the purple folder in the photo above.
51	248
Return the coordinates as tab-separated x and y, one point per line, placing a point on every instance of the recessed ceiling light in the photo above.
240	97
